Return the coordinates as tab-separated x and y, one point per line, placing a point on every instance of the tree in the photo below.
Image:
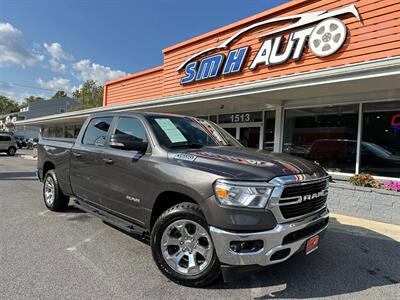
89	95
59	94
31	99
8	105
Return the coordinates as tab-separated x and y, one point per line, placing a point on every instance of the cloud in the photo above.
13	50
56	66
57	55
55	84
87	70
57	52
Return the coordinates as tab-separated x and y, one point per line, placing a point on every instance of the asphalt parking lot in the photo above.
72	255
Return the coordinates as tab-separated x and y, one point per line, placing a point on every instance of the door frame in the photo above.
237	126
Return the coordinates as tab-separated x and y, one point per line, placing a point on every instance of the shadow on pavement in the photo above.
343	264
18	176
73	210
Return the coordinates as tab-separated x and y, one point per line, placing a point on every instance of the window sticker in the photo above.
173	133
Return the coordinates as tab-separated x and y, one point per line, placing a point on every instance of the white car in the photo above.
8	144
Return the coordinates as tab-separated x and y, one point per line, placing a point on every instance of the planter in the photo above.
363	202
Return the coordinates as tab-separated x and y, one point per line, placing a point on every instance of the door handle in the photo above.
77	155
108	161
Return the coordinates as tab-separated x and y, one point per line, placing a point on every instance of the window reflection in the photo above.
327	135
380	148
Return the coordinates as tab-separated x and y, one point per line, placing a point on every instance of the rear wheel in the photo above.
53	198
11	151
182	246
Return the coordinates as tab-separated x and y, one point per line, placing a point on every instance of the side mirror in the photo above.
127	142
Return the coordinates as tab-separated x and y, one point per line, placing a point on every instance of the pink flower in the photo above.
392	185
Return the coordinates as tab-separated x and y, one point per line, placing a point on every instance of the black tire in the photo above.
59	201
182	211
11	151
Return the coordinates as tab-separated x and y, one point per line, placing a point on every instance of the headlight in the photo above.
242	194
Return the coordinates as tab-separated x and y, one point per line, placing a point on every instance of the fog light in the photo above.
246	246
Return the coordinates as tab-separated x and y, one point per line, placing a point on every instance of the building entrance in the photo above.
249	134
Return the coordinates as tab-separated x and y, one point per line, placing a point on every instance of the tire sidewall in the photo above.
60	202
177	213
11	151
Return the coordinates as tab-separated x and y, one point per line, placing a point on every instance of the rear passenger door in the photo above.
125	172
87	171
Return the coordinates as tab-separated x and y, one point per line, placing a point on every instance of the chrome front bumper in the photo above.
272	241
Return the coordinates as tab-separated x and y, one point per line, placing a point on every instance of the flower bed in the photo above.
392	185
366	180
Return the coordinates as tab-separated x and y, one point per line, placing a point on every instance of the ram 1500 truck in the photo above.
206	202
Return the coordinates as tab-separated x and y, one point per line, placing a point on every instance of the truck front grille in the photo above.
302	199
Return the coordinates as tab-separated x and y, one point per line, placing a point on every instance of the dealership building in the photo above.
317	79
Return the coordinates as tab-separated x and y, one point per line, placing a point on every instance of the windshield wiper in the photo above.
190	146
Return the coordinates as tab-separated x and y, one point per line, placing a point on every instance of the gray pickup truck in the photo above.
206	203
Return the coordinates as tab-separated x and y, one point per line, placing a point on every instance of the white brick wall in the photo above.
373	204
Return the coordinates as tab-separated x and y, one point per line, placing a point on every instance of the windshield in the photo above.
176	132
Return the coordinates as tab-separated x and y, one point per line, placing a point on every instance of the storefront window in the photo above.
269	129
59	132
327	135
45	132
380	147
69	131
52	132
77	129
250	136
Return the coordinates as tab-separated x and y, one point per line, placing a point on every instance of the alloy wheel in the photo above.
49	191
187	247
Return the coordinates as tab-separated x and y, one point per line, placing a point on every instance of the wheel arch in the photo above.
47	166
165	200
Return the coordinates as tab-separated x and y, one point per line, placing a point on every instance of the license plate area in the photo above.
312	244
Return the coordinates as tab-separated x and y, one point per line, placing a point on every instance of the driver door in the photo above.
127	178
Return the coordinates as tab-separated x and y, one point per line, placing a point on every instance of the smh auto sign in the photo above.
321	31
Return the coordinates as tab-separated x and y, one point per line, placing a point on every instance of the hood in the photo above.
244	163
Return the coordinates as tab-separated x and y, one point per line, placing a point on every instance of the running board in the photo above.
110	218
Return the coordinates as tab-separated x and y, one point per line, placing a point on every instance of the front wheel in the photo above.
11	151
182	246
53	198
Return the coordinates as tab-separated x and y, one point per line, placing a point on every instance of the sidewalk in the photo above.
364	227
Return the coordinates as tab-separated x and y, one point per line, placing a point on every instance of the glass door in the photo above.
250	136
248	128
231	131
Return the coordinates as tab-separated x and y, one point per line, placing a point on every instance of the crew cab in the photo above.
205	202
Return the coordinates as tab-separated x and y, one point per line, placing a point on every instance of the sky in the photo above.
50	45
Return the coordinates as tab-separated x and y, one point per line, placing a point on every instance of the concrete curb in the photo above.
364	227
